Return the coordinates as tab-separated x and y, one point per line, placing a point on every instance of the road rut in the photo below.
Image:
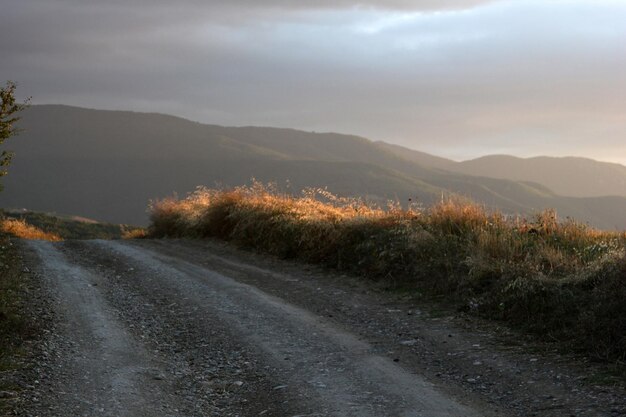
110	373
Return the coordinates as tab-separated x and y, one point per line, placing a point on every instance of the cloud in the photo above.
274	4
452	77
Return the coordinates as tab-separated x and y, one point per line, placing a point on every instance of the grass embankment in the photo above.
16	325
23	230
55	228
562	281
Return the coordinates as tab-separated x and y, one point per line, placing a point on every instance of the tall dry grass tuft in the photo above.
558	279
134	233
23	230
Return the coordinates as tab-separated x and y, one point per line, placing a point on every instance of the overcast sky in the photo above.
456	78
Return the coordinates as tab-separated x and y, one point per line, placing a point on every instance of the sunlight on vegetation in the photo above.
559	279
23	230
70	227
135	233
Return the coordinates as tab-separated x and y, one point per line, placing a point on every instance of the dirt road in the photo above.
176	328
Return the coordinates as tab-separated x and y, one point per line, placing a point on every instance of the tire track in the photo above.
100	368
316	359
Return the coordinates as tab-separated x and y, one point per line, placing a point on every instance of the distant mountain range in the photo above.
567	176
107	165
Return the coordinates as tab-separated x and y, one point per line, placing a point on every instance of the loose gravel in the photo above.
187	328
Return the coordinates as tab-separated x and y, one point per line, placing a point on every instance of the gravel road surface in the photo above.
180	328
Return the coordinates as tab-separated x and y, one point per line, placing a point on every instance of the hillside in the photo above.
421	158
107	165
567	176
575	177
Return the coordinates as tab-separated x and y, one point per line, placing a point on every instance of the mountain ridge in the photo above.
107	165
568	175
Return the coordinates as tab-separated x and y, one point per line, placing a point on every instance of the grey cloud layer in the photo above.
529	77
274	4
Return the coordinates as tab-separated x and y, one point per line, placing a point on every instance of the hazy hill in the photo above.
418	157
576	177
107	165
568	176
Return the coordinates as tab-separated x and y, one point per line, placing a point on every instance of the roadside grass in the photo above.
71	227
560	280
134	233
16	325
23	230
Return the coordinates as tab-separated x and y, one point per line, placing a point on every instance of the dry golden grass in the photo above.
23	230
559	279
134	234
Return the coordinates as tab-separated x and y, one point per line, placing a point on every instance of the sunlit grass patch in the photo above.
134	233
23	230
